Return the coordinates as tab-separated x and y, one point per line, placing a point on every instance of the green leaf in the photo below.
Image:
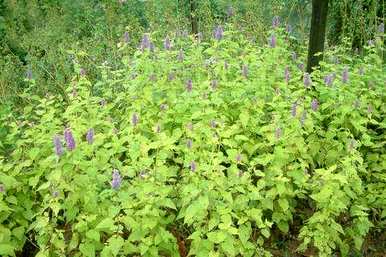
217	237
7	249
283	203
93	235
87	249
106	224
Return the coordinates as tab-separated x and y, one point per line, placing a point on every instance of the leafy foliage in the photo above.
213	156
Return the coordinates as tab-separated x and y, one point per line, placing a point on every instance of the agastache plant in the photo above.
214	84
193	166
303	117
58	145
329	79
29	73
294	56
69	138
145	42
314	104
345	75
90	136
218	33
238	158
117	180
275	22
287	75
189	85
381	28
307	80
230	12
167	44
272	41
245	71
126	37
189	143
294	108
134	119
180	56
278	133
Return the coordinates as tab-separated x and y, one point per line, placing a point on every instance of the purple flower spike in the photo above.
307	80
117	180
314	105
145	42
171	76
58	146
167	44
193	166
287	75
82	72
329	79
90	136
126	37
294	108
245	70
214	84
275	22
134	119
278	133
345	75
180	56
381	28
152	47
218	33
272	41
69	138
29	74
294	56
213	124
238	158
301	66
303	118
189	143
189	85
2	188
230	11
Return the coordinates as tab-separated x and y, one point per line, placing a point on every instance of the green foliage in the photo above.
253	174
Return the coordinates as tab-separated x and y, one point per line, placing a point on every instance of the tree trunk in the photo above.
193	17
317	34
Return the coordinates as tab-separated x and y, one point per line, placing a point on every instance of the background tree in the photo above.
193	17
317	33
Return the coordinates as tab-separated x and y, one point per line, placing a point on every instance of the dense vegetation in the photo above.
121	134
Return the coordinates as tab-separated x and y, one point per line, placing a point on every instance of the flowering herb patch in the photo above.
228	149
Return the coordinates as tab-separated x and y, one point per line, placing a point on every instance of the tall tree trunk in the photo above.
193	17
317	34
